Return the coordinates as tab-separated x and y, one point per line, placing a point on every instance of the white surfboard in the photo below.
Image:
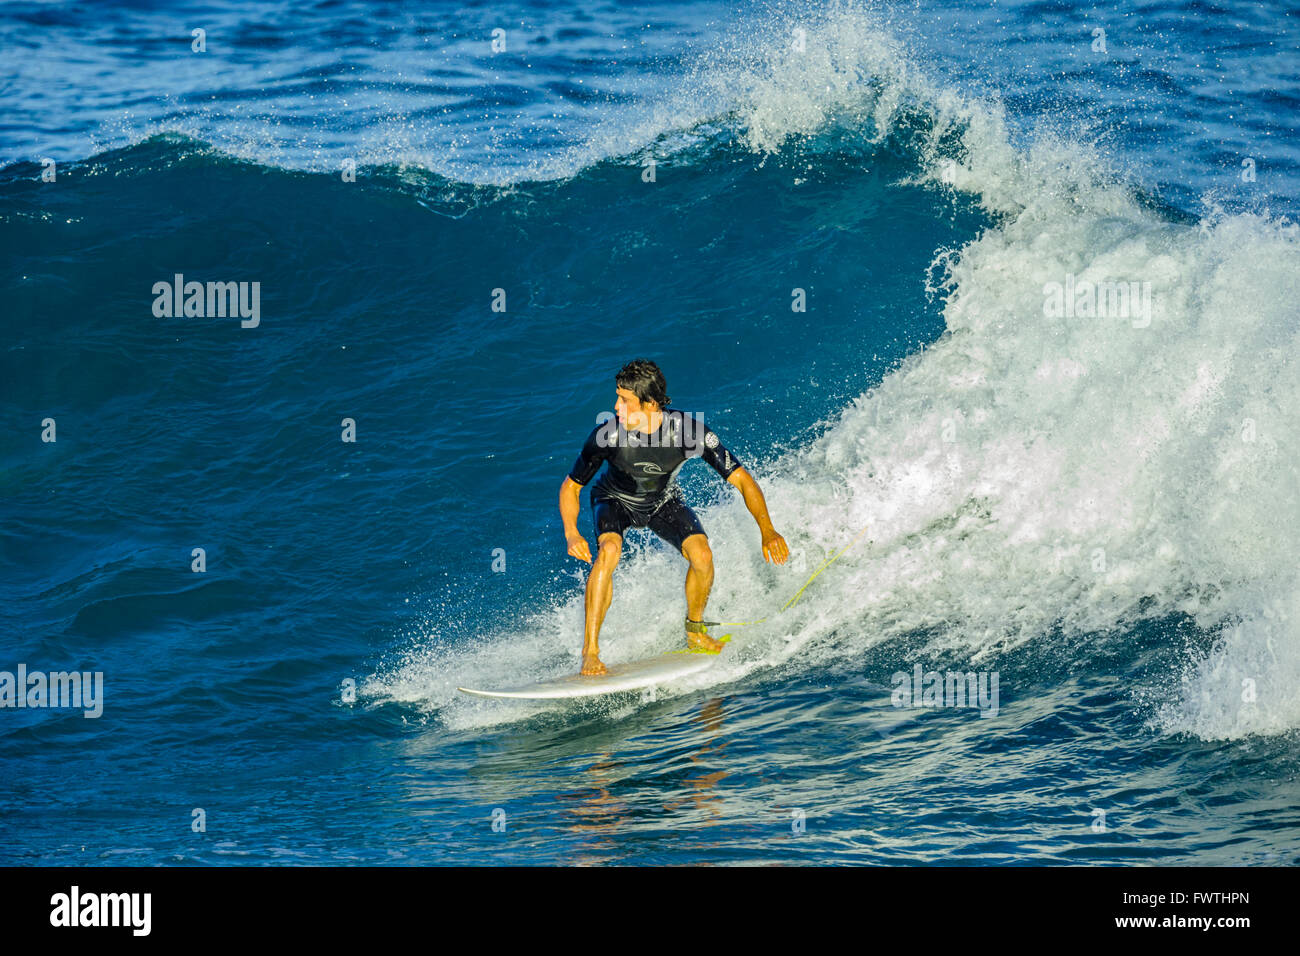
631	676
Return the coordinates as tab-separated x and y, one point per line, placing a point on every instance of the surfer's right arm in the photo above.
595	450
569	507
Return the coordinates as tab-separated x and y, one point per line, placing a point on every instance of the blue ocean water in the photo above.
1096	509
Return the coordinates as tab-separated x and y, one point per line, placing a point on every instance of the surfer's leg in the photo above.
699	581
610	519
600	592
677	524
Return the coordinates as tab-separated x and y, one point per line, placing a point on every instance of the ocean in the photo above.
1014	287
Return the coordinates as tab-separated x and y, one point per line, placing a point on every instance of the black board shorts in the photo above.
673	520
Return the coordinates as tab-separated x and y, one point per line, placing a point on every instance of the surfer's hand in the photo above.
774	548
578	547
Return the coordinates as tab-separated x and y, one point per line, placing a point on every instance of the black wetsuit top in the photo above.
643	467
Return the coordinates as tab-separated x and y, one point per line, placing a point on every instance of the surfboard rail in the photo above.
634	675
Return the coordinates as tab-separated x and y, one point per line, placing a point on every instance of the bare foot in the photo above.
591	666
703	642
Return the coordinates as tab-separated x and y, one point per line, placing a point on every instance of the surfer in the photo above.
645	446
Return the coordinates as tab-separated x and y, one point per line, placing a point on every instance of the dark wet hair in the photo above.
643	379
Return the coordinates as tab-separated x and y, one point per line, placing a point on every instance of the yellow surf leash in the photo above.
824	565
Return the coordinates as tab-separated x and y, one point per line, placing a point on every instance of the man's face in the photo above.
632	415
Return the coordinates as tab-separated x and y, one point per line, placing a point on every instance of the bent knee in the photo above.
610	549
699	554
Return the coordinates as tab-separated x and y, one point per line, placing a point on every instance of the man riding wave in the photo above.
645	446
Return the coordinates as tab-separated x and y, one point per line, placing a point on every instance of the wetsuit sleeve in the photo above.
594	454
717	455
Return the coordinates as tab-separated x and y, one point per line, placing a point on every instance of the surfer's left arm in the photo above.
774	547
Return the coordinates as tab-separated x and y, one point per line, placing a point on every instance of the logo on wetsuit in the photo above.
650	467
